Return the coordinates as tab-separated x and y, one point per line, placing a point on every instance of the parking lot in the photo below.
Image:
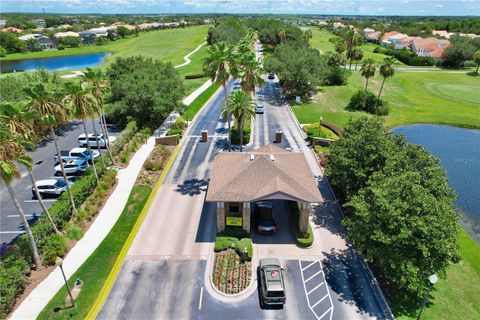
11	225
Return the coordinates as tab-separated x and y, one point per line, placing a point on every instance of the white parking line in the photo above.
201	297
11	232
313	276
311	264
44	200
320	300
316	287
18	216
307	294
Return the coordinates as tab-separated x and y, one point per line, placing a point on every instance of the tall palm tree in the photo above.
83	104
250	73
387	70
45	103
357	55
236	101
17	119
368	70
219	66
9	149
476	59
100	87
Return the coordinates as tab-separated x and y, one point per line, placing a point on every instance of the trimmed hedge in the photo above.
410	58
303	240
194	76
235	238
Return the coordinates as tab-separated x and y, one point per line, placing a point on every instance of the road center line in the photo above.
201	298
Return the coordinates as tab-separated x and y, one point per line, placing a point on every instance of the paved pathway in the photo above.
187	57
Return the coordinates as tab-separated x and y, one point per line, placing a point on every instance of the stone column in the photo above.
246	216
220	216
303	218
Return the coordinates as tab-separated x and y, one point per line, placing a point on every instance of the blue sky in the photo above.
360	7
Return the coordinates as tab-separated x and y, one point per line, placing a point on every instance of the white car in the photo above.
259	108
92	140
50	187
76	167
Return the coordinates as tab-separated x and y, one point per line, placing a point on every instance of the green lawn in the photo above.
168	45
457	296
198	103
445	97
95	270
320	41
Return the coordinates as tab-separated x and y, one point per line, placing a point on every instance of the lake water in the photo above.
459	152
54	63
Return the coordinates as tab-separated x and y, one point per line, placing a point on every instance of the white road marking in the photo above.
313	276
18	216
201	297
44	200
317	287
11	232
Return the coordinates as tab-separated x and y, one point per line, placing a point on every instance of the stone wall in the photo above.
167	140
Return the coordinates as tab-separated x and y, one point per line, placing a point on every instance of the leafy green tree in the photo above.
218	65
368	70
476	59
123	32
403	220
460	50
11	43
387	70
3	52
362	151
144	89
367	102
70	42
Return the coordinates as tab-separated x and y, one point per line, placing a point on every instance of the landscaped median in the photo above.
109	255
232	268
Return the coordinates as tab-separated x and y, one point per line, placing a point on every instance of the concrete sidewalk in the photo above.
106	219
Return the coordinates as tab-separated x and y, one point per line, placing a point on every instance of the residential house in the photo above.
66	34
367	31
371	35
393	39
39	41
337	25
64	26
39	23
442	33
12	30
89	36
429	47
145	26
469	35
3	23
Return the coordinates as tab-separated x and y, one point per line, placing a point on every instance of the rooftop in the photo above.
268	172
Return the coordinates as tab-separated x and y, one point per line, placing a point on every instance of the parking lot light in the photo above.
59	263
432	279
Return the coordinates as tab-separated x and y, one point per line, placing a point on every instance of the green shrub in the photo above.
180	123
367	102
223	243
172	132
54	247
303	240
245	243
410	58
74	232
125	136
14	271
235	232
152	165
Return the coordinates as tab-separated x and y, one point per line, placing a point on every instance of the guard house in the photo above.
239	179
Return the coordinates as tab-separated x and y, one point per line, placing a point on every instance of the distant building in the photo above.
12	29
373	37
39	22
38	41
429	47
442	33
337	25
394	39
64	26
66	34
145	26
3	23
89	36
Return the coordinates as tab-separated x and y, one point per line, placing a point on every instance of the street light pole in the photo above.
59	263
432	279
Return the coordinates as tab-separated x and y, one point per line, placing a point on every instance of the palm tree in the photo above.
18	120
45	104
357	55
236	101
250	73
368	70
9	149
387	70
476	59
100	86
83	105
219	66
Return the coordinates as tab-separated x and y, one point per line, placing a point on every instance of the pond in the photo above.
459	152
54	63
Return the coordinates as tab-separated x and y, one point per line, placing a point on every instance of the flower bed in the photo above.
231	275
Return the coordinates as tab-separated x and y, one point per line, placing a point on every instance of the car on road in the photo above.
272	287
76	167
92	140
271	75
50	187
265	217
259	108
76	154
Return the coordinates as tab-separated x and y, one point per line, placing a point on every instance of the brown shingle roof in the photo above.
237	177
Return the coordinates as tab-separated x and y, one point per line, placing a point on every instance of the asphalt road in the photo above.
164	272
11	225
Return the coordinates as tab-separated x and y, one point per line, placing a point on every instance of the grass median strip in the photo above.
198	103
96	268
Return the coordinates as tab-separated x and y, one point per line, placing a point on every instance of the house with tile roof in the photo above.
429	47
